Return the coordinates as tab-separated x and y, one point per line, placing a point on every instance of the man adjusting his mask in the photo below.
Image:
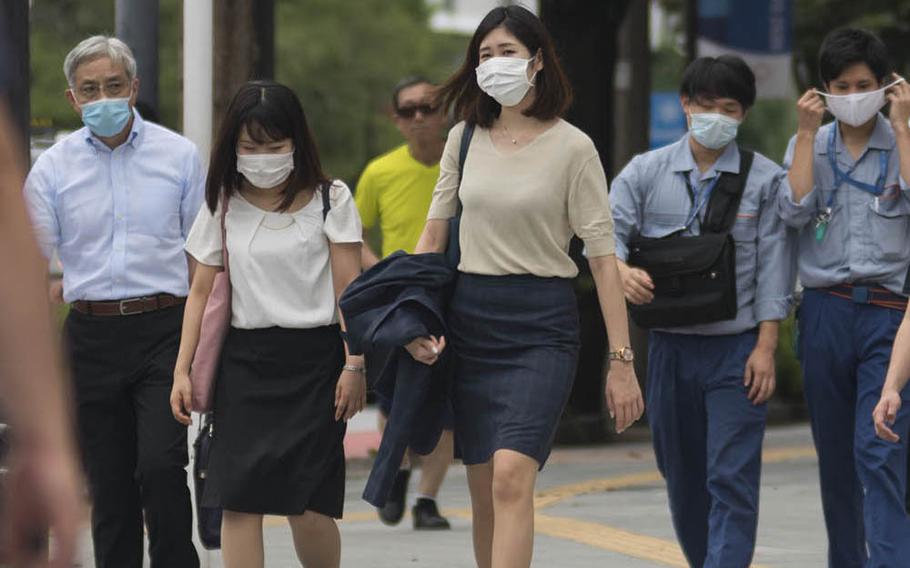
714	325
847	194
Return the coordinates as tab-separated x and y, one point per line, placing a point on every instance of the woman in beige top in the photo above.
531	181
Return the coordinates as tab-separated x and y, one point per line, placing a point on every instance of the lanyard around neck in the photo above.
841	176
700	199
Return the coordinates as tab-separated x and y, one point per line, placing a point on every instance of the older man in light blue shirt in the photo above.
708	383
116	200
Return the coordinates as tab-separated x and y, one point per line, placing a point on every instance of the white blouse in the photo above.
281	273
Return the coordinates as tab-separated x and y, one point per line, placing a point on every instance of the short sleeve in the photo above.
366	199
589	209
204	241
342	224
445	196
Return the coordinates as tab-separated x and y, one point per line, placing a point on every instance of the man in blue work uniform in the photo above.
708	384
846	191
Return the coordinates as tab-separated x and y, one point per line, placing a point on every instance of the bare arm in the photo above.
351	390
896	379
623	394
181	392
810	109
435	236
44	485
899	96
368	257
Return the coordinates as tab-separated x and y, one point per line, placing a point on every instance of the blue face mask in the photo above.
107	117
713	130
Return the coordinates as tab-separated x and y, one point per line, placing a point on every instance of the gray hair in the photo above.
97	47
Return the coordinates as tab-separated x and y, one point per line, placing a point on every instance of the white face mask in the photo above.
505	79
265	171
713	130
858	108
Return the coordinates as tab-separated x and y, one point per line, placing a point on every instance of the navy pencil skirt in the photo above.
516	343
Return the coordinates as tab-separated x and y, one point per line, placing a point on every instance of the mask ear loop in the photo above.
533	79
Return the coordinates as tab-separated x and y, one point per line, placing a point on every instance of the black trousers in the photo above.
134	451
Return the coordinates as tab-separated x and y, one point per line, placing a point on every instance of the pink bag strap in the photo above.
224	248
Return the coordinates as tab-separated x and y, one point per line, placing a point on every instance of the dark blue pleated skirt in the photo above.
516	342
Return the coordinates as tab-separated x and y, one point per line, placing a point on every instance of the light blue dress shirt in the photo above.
118	219
649	199
867	239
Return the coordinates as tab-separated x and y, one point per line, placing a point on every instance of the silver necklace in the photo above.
509	134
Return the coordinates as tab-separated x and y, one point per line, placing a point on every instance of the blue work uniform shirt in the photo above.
867	239
649	198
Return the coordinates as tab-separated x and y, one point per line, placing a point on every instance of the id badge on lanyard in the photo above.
840	177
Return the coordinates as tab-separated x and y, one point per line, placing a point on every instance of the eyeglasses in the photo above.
411	111
112	89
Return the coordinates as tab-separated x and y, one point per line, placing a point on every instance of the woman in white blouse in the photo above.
287	384
531	181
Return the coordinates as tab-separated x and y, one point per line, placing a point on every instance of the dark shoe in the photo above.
393	510
427	517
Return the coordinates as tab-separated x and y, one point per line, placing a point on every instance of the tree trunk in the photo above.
244	48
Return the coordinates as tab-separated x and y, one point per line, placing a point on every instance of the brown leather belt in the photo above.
129	307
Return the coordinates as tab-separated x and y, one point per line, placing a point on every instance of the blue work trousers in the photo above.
707	436
845	347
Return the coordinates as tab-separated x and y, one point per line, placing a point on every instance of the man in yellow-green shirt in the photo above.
394	193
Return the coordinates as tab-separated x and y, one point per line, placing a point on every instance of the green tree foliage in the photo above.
813	19
342	58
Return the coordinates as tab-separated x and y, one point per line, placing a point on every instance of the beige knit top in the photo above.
521	209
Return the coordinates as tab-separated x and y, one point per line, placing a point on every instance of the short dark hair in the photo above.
269	111
405	83
727	76
849	46
553	91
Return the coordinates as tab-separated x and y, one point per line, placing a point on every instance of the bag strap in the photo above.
726	197
326	200
466	136
224	250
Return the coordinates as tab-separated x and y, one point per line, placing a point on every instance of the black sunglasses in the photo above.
410	111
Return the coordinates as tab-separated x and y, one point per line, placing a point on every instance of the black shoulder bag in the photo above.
208	519
453	248
694	276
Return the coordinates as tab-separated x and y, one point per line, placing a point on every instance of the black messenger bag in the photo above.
694	276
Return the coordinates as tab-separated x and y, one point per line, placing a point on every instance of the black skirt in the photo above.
516	345
277	448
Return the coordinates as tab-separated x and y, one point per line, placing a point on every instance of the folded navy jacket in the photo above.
399	299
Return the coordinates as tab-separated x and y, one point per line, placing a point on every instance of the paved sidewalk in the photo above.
602	507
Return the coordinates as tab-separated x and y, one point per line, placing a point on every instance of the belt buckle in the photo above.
862	294
123	311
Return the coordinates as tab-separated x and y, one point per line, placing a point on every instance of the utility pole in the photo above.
197	74
136	23
14	14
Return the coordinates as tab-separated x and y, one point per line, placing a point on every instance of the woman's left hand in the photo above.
350	394
623	395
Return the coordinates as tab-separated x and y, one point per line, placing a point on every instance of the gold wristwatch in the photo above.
624	354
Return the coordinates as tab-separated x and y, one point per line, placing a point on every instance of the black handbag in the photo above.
208	519
694	276
453	248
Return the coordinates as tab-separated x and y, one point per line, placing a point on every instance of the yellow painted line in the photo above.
554	495
609	538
